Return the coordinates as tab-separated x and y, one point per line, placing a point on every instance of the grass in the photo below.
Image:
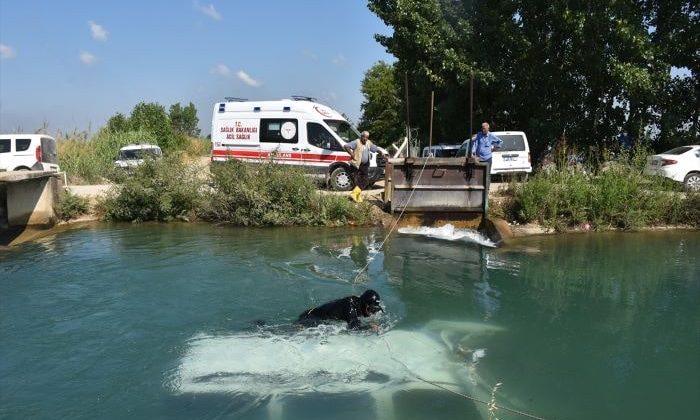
70	206
609	194
91	160
238	193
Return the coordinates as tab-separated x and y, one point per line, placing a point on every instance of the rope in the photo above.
460	394
469	397
396	222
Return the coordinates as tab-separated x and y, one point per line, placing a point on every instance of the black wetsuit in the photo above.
346	309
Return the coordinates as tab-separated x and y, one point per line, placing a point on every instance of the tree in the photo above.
151	117
118	123
580	70
381	109
184	120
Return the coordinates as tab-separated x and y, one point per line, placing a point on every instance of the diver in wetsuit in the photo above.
348	309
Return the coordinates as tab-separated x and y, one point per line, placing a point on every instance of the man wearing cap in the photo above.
348	309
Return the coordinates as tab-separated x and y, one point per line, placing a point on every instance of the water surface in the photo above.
105	322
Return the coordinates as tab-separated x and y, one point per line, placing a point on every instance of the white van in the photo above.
513	157
134	154
297	131
28	152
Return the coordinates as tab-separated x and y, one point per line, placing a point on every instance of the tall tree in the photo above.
580	70
184	120
381	107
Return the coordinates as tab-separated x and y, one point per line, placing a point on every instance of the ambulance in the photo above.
298	132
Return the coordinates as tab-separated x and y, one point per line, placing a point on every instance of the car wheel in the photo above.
692	181
341	179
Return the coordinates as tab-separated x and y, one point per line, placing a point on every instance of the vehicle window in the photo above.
320	137
343	129
48	150
512	143
4	145
138	154
677	150
462	152
22	144
279	131
445	153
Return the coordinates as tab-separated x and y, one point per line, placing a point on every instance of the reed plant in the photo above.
237	193
90	160
270	194
600	194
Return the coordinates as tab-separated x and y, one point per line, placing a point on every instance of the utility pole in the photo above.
471	104
430	135
408	116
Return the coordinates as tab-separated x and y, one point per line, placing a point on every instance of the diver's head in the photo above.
370	303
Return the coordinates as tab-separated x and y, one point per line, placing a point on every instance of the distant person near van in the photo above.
484	143
359	150
626	141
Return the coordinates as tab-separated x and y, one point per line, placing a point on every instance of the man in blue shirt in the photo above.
483	144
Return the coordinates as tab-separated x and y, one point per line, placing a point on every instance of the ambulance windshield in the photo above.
343	129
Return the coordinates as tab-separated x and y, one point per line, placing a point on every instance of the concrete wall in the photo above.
30	202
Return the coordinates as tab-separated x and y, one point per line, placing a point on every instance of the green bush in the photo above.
70	206
611	195
271	194
163	189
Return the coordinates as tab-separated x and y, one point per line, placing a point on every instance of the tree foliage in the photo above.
555	69
169	129
380	110
184	120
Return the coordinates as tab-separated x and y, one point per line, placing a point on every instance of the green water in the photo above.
96	323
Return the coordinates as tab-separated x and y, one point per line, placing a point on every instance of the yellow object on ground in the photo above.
355	194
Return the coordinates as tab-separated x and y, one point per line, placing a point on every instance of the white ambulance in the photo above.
298	131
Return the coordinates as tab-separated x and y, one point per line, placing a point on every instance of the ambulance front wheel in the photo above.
341	180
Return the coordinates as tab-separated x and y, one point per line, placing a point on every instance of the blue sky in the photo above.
74	63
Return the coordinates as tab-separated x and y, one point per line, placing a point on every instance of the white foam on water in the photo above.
449	233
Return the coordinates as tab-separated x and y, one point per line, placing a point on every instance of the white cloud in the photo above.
97	31
339	60
87	58
7	52
209	10
221	70
245	78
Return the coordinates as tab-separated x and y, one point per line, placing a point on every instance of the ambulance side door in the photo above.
323	148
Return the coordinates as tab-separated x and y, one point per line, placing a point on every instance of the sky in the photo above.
73	64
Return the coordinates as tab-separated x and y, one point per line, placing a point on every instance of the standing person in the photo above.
483	144
348	309
359	150
626	141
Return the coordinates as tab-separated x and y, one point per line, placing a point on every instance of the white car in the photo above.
134	155
681	164
28	152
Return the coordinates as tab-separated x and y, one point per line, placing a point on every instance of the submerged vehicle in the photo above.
269	366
